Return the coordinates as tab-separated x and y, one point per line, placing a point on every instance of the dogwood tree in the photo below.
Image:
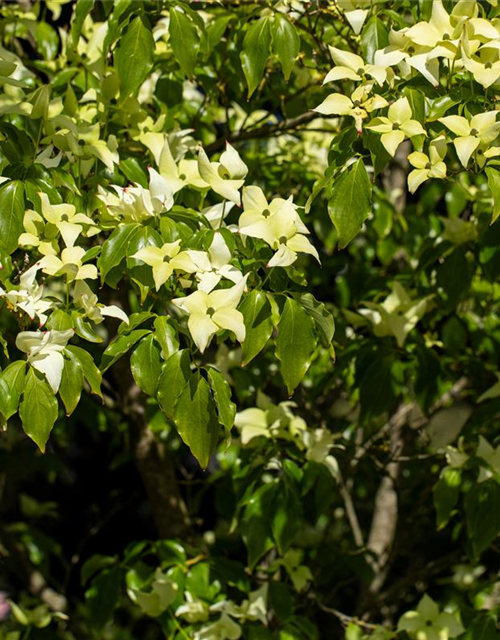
249	321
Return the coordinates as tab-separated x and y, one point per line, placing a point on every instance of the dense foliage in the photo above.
250	320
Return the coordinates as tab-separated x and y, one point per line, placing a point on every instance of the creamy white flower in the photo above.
214	265
211	312
43	350
69	264
86	299
29	296
225	177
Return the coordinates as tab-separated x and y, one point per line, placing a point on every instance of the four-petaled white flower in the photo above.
396	126
352	67
429	623
211	312
86	299
431	166
64	217
165	260
69	264
43	350
278	224
28	296
211	267
481	129
359	105
225	177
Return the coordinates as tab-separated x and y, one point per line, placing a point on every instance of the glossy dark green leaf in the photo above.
145	363
256	312
286	43
102	596
350	203
446	492
226	409
114	249
482	510
38	409
90	371
134	56
374	36
174	377
120	347
493	176
196	420
295	343
255	52
184	40
12	381
256	523
11	214
322	317
71	382
166	335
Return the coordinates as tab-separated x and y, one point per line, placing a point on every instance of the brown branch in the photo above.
266	131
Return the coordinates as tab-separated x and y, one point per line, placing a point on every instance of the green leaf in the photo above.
484	627
102	597
286	43
350	203
482	510
145	364
114	249
494	185
47	40
174	377
321	316
417	103
255	52
195	419
374	37
90	371
38	409
286	515
71	382
120	347
166	335
134	171
184	40
82	9
222	396
12	381
134	56
11	214
295	343
256	312
256	523
446	492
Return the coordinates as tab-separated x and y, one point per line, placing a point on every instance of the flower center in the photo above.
428	623
411	50
474	132
428	166
488	65
81	142
224	173
210	311
167	258
266	213
356	103
480	152
396	126
282	239
360	71
182	176
446	36
64	217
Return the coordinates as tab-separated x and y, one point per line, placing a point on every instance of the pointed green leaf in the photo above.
374	37
120	347
286	43
114	249
71	382
166	335
482	509
350	203
256	312
90	371
295	343
184	40
255	53
494	185
145	364
174	377
322	317
226	409
195	419
12	381
134	56
38	409
11	214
